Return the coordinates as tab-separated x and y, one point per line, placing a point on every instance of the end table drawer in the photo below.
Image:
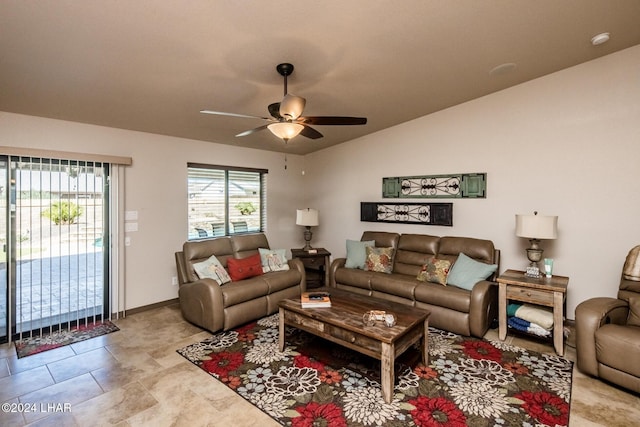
533	296
313	263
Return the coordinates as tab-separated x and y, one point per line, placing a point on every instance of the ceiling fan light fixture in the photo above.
292	106
285	130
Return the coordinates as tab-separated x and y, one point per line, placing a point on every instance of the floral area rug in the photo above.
315	382
34	345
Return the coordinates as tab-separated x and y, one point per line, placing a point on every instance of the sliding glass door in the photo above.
53	215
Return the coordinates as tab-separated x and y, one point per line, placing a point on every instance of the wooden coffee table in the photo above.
342	323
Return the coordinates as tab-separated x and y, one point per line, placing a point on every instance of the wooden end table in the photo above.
316	265
342	323
549	292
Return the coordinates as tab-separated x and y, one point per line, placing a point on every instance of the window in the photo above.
225	200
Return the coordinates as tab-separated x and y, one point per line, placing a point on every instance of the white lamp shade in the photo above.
537	226
307	217
285	130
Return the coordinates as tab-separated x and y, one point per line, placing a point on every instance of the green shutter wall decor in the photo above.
408	213
464	185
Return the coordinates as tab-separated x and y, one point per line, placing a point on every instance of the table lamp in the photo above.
307	218
536	227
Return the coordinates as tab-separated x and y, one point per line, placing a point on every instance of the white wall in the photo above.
156	187
566	144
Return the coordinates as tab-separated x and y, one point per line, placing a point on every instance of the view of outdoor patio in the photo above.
57	221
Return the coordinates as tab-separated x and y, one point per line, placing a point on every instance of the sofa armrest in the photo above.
590	316
201	303
335	265
181	267
483	307
296	264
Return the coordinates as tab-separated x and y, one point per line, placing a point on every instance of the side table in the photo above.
316	264
549	292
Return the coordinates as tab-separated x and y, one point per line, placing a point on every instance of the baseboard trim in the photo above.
145	308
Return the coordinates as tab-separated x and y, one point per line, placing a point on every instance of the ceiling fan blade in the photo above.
250	131
222	113
274	110
291	106
310	132
333	120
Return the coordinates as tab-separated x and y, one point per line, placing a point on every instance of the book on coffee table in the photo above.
315	300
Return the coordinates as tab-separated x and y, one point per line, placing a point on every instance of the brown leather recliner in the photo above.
608	331
214	307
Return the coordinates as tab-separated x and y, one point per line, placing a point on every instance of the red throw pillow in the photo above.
244	268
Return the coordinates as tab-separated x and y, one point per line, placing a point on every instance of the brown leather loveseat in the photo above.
608	331
215	307
462	311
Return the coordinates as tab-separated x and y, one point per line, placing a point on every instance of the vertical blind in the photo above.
65	263
58	229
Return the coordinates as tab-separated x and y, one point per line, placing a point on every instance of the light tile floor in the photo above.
134	377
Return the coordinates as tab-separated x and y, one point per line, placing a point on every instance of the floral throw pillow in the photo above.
435	271
379	259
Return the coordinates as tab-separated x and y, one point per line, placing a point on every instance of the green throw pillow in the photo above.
466	272
356	253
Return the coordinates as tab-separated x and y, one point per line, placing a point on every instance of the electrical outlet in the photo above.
174	281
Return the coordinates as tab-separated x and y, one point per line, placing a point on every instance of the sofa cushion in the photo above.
354	277
379	259
243	268
201	250
435	271
273	260
394	284
617	346
450	297
414	251
357	253
279	280
212	269
466	272
245	245
478	249
382	239
634	311
244	290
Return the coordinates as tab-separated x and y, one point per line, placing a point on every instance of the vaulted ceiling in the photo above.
152	65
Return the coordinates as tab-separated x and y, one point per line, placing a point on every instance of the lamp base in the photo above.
307	238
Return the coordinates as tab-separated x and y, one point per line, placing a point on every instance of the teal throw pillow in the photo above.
466	272
357	253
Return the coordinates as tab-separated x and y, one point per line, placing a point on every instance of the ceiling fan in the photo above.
286	119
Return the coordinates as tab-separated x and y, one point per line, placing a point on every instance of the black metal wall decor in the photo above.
408	213
463	185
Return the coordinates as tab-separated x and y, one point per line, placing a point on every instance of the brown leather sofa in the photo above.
215	307
608	331
453	309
